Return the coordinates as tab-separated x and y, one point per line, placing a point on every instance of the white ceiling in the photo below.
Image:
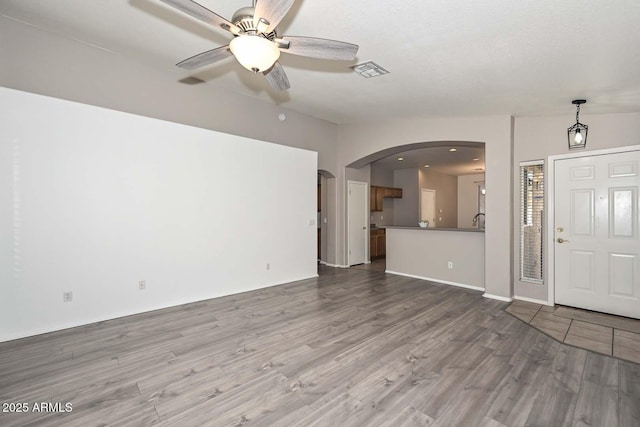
445	57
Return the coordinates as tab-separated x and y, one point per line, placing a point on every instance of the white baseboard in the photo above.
497	297
444	282
533	300
335	265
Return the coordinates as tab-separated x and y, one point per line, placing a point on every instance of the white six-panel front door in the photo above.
596	226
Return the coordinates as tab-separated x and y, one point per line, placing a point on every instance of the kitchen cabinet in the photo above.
378	194
377	243
394	193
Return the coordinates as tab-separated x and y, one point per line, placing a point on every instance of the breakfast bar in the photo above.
453	256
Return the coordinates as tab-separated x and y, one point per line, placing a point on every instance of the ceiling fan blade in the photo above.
319	48
277	78
271	11
205	58
200	12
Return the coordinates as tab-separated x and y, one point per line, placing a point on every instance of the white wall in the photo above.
407	209
50	64
94	200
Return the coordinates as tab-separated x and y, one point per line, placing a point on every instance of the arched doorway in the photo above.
399	178
358	142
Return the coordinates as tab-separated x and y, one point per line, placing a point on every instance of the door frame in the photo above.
550	207
365	209
429	190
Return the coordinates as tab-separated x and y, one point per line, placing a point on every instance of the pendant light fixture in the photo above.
577	133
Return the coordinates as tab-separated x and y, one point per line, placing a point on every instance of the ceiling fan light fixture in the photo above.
255	53
256	45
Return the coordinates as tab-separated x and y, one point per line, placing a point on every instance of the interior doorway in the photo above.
428	206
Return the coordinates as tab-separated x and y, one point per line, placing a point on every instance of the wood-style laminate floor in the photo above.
353	347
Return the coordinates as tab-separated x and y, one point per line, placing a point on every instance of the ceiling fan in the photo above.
255	44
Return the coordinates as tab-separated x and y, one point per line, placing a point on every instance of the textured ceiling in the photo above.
445	57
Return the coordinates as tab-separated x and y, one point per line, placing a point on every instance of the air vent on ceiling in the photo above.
369	69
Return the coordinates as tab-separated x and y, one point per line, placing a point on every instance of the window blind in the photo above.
531	221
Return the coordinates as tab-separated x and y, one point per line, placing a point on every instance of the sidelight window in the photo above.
531	220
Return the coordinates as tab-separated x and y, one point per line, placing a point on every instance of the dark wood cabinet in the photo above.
377	243
379	198
381	250
394	193
372	198
378	194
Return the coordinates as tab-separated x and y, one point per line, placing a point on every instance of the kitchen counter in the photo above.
401	227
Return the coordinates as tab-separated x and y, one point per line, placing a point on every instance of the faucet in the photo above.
477	217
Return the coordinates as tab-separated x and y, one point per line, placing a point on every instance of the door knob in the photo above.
364	228
561	240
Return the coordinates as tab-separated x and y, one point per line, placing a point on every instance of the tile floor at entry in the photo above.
603	333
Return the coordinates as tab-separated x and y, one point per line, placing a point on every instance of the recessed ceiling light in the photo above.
426	166
453	150
400	158
476	159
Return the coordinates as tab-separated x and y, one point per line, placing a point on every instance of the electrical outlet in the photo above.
67	296
268	266
450	264
142	285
